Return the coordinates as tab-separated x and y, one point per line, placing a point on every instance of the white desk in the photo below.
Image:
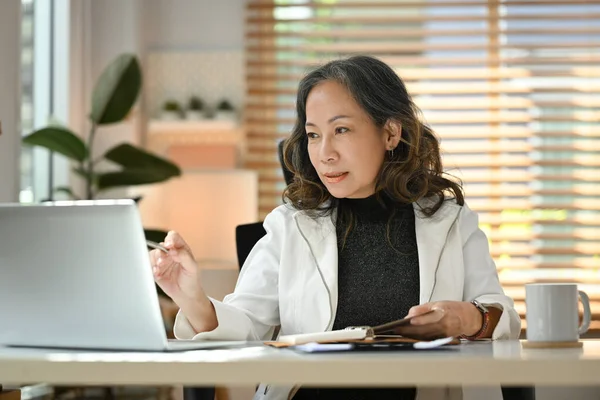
487	363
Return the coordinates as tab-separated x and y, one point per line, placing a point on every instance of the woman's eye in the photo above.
341	130
311	135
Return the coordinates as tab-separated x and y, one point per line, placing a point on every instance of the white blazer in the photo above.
290	278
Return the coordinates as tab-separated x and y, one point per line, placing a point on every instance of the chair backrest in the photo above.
246	237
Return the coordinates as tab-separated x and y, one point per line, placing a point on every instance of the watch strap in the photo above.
485	314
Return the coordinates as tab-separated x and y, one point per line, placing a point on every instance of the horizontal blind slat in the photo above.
391	19
399	33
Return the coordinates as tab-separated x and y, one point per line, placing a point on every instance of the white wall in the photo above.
194	24
10	33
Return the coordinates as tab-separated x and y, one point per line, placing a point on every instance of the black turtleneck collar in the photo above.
374	207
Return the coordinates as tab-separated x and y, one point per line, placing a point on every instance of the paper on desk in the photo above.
380	340
433	343
333	347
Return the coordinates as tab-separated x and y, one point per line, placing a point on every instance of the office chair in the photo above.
199	393
518	393
246	236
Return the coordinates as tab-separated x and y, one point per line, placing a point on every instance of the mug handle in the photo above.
587	312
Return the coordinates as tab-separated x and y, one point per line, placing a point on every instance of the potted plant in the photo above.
171	111
225	111
195	111
114	95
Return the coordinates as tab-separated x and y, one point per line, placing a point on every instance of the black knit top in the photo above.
378	279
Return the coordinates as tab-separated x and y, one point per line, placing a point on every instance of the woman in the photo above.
371	231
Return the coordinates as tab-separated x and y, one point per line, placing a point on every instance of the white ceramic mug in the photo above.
553	312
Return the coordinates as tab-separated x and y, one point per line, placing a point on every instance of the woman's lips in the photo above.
335	177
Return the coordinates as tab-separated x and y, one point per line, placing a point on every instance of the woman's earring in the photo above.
391	153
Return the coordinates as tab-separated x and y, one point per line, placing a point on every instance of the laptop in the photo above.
77	275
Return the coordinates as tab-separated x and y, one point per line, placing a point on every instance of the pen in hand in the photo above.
155	245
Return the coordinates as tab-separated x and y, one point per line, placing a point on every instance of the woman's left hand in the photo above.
449	318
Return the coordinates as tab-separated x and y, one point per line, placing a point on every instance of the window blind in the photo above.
510	87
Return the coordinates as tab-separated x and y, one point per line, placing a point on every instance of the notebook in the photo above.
382	333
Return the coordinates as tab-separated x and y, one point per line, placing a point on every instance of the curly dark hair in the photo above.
412	172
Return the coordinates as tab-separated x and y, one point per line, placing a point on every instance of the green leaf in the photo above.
134	158
84	173
130	177
59	140
116	90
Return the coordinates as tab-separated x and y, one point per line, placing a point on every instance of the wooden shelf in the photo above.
164	134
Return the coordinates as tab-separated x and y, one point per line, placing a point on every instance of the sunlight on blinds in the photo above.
510	87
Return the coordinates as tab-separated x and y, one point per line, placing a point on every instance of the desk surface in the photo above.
502	362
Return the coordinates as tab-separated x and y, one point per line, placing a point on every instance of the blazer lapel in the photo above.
320	235
432	233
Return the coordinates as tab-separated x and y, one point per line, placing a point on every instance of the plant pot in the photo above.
167	115
195	115
222	115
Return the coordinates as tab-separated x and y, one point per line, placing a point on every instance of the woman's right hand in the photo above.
178	275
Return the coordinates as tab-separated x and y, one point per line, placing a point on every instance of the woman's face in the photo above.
345	147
